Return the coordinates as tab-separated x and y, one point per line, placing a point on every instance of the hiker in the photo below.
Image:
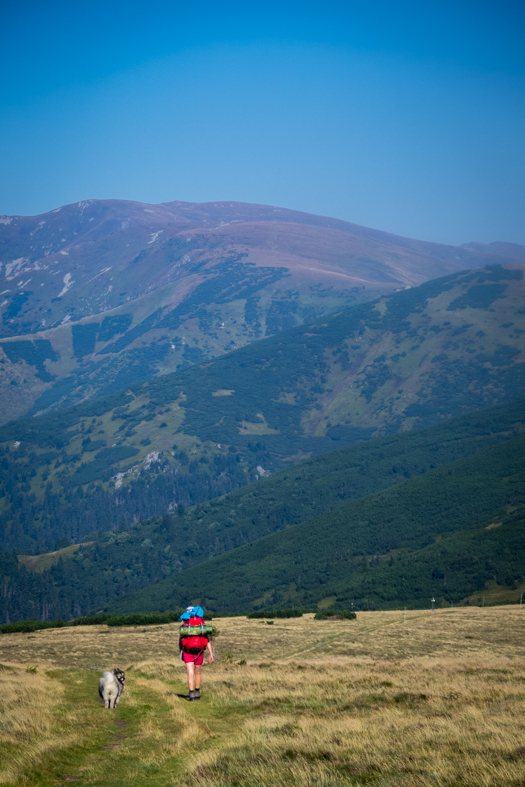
192	650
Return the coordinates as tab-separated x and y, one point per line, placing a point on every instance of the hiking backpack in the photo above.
194	636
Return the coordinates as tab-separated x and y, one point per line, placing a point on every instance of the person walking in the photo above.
192	649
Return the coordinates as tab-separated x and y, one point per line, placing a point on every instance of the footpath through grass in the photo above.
436	700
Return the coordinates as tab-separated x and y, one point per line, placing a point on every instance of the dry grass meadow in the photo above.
438	699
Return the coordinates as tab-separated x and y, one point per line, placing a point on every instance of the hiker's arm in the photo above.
211	657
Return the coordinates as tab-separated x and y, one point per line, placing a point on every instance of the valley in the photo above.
292	405
404	361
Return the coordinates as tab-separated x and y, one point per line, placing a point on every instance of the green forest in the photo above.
278	517
302	562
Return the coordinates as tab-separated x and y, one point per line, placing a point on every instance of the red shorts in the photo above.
188	658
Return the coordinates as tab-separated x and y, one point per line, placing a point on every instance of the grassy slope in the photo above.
445	348
375	700
125	561
304	561
44	562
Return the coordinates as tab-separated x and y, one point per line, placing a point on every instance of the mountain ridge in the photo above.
111	293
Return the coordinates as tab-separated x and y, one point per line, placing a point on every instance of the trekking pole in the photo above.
521	600
405	616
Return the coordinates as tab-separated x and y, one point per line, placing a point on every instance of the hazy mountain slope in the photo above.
305	561
508	251
449	347
121	291
78	579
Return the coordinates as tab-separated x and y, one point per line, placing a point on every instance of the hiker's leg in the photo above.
190	666
197	676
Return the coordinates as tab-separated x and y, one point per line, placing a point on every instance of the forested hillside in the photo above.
79	579
448	347
318	560
480	565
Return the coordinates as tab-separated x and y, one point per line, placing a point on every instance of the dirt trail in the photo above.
120	735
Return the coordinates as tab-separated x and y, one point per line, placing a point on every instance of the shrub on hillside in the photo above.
335	614
133	619
142	619
27	626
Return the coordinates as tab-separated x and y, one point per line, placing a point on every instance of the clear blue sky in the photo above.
404	116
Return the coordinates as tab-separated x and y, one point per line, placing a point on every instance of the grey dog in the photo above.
111	686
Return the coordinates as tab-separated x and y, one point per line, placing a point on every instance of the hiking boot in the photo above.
192	695
197	694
